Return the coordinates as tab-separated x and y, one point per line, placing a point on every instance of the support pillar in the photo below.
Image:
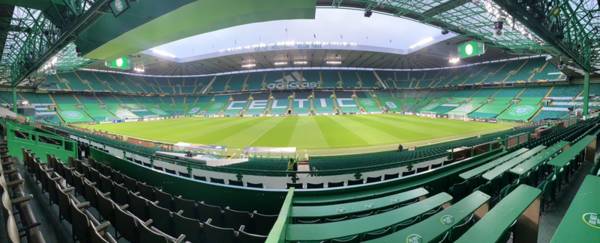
14	97
586	93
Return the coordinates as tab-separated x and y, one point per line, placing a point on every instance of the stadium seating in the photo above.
302	104
527	105
280	104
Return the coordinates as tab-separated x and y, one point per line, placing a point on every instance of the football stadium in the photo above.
250	121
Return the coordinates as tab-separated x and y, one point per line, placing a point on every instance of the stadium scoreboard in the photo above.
471	49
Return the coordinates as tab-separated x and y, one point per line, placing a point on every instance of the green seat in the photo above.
494	225
357	207
581	222
438	227
359	226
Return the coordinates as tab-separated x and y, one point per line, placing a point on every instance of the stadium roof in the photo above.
331	29
567	29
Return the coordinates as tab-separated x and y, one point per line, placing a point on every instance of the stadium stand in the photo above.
280	103
303	103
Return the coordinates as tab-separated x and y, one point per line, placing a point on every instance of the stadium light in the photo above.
139	69
454	60
422	42
163	53
249	65
333	62
300	62
280	63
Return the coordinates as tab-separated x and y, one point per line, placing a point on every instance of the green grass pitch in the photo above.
315	134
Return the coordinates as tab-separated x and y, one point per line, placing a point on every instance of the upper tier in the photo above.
515	71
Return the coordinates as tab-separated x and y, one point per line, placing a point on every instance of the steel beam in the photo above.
31	62
586	94
449	5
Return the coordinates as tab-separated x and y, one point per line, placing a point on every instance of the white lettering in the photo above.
346	102
258	104
236	105
301	102
323	102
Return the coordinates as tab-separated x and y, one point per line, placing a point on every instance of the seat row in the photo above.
254	222
20	220
124	208
86	226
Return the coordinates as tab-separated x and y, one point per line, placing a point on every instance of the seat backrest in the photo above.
125	224
106	207
130	183
261	223
161	217
138	206
64	202
219	234
234	218
192	229
206	211
120	194
188	207
147	235
89	192
146	191
164	199
314	185
246	237
105	184
80	222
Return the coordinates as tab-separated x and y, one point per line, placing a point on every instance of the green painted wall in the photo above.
150	23
237	198
41	143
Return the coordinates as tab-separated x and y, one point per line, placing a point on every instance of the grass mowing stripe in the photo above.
337	135
372	134
398	130
214	136
307	134
252	132
279	135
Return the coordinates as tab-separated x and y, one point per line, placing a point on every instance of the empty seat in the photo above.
335	184
64	201
217	180
99	234
106	207
138	206
130	183
219	234
262	223
234	218
80	222
355	182
161	217
164	199
254	185
407	173
373	179
120	195
207	211
105	184
192	229
314	185
146	191
187	206
295	185
246	237
390	176
125	224
236	183
149	234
